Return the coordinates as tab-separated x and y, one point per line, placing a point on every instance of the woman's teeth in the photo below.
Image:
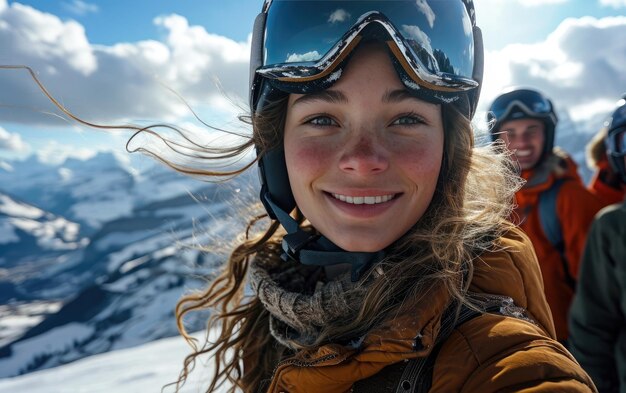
368	200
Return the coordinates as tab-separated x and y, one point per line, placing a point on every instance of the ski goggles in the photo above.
299	46
520	104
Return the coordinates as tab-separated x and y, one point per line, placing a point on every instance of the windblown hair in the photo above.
468	213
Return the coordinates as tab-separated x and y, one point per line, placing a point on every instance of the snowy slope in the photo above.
146	368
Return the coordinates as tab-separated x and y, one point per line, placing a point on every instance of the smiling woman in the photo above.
388	263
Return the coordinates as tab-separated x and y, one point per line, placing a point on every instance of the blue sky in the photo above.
109	61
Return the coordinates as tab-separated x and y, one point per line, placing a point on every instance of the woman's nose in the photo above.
364	156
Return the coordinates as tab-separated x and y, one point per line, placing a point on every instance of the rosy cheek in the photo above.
423	157
306	159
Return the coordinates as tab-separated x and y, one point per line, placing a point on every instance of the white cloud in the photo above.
428	12
28	35
309	56
55	153
339	16
415	33
588	110
3	4
12	142
124	82
570	66
613	3
79	7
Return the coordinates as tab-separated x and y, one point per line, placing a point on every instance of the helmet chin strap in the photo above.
312	249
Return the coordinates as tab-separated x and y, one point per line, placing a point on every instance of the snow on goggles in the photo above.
304	41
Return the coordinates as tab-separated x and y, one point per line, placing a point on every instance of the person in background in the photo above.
606	184
387	263
554	208
598	314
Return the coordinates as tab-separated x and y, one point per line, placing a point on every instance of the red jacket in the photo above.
606	193
576	207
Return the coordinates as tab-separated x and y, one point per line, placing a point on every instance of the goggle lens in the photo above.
438	34
531	103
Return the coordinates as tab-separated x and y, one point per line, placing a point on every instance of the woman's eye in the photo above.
408	120
322	121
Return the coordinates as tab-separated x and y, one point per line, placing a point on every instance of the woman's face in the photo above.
364	156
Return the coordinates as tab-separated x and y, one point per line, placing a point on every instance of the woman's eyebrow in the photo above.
331	96
398	95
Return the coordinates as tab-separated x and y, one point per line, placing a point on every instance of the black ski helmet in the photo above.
301	47
615	140
523	103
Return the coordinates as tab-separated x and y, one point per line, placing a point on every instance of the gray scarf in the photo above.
300	305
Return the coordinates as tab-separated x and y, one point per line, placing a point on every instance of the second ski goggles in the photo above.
519	104
305	41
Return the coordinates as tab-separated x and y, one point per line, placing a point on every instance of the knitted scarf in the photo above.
300	302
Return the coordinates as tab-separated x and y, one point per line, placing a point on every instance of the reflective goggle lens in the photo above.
531	103
437	34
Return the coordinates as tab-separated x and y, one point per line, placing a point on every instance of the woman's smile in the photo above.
367	200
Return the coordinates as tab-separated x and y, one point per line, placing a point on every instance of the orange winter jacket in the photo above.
575	209
486	354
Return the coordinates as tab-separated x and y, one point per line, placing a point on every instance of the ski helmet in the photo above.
302	46
520	103
616	138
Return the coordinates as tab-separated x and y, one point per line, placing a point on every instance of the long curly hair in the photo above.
468	212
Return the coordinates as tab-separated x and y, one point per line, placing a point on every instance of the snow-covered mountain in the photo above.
92	191
26	229
31	241
118	285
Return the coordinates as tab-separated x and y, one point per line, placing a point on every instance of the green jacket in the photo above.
598	313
